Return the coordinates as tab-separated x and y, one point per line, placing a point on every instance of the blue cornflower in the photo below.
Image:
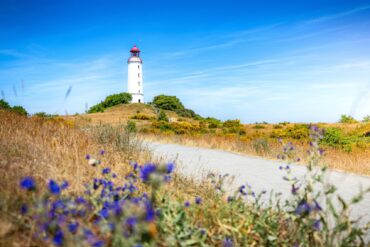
80	200
114	175
146	171
316	225
150	213
58	238
24	209
170	167
106	170
202	231
54	187
102	152
303	208
187	204
64	185
99	243
198	200
131	221
28	183
87	156
228	242
104	213
72	227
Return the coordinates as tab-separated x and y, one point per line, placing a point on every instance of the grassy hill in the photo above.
346	146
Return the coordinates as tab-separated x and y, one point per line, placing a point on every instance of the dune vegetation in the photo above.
345	145
66	184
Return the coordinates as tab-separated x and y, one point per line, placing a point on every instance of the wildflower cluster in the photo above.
111	211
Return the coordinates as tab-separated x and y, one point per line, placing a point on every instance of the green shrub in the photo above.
232	123
96	108
162	116
333	137
277	126
45	115
347	119
19	109
116	99
111	100
213	122
131	127
4	105
165	102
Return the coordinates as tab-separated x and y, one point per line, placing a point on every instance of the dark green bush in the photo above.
111	100
165	102
4	105
19	109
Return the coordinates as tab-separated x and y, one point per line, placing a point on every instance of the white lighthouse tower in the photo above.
135	76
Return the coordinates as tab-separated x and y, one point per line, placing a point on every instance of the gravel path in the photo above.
260	173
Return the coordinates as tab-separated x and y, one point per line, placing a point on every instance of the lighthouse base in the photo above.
137	98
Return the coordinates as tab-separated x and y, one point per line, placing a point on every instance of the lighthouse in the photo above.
135	76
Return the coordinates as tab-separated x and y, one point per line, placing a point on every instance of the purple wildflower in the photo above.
146	171
150	213
316	225
227	242
170	167
87	156
104	213
131	221
303	208
102	152
54	187
106	170
187	204
58	238
198	200
24	209
64	185
72	227
28	183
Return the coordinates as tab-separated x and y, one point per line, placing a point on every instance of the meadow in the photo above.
66	184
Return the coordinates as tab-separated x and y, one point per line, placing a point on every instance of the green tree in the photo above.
19	109
347	119
165	102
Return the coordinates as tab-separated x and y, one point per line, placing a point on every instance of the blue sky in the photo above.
298	61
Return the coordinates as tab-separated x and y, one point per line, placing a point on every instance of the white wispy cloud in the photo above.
337	15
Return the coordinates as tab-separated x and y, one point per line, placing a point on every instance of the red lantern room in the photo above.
135	55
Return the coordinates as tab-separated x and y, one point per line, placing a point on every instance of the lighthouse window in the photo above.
139	83
138	66
138	75
139	91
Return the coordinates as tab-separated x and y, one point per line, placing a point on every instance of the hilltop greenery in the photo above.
18	109
111	100
172	103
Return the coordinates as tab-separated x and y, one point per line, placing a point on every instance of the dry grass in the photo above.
50	149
